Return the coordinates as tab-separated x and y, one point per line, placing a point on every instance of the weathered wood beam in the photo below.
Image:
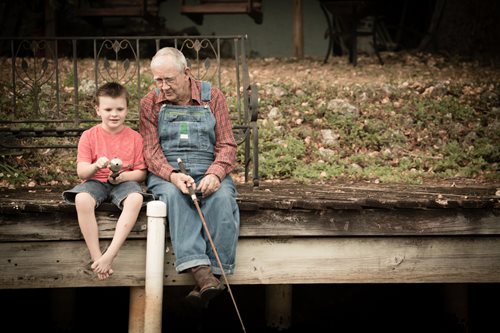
278	307
220	8
131	11
293	196
260	223
270	261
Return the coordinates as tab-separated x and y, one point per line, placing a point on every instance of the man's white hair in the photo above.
171	52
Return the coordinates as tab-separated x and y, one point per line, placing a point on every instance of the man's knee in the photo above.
223	199
225	192
164	191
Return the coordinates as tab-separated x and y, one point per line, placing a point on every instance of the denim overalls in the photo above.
188	132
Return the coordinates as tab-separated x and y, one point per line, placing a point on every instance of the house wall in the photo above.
272	38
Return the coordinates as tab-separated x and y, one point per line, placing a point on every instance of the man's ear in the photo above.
187	71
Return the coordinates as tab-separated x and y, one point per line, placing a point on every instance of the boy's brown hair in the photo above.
113	90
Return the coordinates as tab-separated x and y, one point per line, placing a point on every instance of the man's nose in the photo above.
165	83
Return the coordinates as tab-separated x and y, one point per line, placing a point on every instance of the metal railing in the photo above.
48	84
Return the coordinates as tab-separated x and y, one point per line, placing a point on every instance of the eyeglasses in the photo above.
160	81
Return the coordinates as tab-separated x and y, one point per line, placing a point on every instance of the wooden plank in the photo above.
291	196
263	223
271	261
219	8
295	196
121	8
61	226
131	11
370	222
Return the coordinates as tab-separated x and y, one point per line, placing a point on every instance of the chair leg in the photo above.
375	46
255	132
330	47
353	50
330	34
379	57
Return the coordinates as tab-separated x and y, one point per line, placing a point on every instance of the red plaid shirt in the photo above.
225	147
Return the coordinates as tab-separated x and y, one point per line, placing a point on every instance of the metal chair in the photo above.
344	20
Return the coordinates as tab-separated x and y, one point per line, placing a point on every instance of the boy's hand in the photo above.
101	162
117	180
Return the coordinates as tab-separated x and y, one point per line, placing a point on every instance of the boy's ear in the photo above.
96	109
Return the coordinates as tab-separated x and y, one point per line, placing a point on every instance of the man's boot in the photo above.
207	286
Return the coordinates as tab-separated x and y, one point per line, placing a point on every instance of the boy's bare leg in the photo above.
85	209
131	208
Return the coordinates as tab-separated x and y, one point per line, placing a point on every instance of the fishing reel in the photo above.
115	165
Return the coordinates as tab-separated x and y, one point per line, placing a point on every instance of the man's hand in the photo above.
182	181
209	184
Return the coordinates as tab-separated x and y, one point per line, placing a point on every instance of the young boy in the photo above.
97	146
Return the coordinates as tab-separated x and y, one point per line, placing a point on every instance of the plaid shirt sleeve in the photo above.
148	127
225	146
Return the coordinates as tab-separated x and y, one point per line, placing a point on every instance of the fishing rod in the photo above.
197	205
115	165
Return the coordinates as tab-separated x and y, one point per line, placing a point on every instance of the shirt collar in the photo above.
195	91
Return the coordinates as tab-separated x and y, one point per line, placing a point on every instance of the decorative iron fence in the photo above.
48	84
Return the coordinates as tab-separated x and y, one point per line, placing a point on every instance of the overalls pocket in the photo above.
183	130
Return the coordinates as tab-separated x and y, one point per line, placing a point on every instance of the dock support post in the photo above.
278	306
136	310
155	255
456	302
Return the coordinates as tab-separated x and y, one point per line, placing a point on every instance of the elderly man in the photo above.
189	119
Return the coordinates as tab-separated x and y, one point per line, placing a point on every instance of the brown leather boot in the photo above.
208	286
194	298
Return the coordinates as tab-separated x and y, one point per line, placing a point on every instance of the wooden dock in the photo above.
290	234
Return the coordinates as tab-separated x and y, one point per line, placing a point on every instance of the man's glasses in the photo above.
160	81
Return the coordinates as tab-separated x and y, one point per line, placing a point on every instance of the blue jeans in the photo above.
191	245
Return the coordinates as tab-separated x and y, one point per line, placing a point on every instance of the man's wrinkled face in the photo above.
170	79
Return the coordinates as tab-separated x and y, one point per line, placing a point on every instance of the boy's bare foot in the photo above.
104	276
103	264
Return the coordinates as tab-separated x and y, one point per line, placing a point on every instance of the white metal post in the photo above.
155	255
